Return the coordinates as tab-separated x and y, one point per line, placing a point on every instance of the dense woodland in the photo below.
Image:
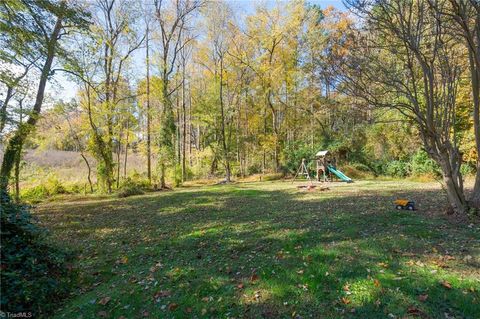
201	89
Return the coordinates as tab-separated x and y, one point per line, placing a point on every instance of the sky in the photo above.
62	88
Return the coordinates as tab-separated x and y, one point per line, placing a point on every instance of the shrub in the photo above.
177	175
130	187
272	177
353	172
54	186
35	194
466	169
422	164
76	188
254	169
40	192
293	158
397	169
379	167
34	275
361	167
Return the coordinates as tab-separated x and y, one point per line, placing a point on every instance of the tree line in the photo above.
198	88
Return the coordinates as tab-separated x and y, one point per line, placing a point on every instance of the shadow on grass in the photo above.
240	252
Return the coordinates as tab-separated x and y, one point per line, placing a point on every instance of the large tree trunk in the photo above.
453	184
475	78
17	140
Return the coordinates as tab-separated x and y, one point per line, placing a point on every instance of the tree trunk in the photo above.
119	148
222	114
3	111
89	171
184	125
450	161
17	140
475	78
17	174
162	176
126	151
149	150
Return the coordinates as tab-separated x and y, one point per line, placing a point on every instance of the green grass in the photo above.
269	250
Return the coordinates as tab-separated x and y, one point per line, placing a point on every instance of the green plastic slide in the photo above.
339	174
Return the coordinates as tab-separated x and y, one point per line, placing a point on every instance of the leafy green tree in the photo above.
31	34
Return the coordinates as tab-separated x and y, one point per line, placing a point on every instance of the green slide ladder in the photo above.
339	174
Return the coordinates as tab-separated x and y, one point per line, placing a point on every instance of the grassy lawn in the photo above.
268	250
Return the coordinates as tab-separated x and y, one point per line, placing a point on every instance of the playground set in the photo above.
326	170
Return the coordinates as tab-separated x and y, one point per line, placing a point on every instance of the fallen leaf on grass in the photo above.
104	300
102	314
446	284
145	313
240	286
254	278
172	306
414	310
345	300
423	297
162	293
376	282
188	310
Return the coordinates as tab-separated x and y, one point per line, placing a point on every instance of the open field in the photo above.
268	250
67	166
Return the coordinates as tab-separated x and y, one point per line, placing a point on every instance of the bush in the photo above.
76	188
379	167
35	194
34	275
293	158
254	169
354	172
272	177
130	187
397	169
422	164
54	186
361	167
467	169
